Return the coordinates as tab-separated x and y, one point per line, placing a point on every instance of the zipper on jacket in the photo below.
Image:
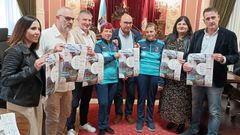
16	94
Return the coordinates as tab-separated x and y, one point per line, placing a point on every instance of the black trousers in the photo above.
80	96
130	97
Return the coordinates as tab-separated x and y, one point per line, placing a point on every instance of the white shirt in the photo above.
49	38
126	40
87	38
209	42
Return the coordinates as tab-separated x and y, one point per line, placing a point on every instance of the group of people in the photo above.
23	75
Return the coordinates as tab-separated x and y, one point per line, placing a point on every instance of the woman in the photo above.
175	104
107	89
150	58
22	76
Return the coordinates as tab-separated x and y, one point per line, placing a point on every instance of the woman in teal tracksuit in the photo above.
149	77
107	89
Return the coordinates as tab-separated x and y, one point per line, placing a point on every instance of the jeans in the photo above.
130	97
213	96
147	85
105	95
80	95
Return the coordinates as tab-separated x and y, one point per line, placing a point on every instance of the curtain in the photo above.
9	17
111	8
27	7
134	11
234	20
224	8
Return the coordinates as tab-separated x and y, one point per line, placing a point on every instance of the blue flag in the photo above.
102	16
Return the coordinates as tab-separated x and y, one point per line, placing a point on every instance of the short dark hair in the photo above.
21	28
184	18
209	9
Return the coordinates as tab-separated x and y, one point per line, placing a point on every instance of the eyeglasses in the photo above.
67	18
128	23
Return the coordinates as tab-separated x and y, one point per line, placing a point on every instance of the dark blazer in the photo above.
226	44
136	36
21	83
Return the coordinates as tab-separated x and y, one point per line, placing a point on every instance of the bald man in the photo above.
58	105
128	37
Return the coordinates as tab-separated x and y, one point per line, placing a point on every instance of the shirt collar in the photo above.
82	32
56	31
124	35
205	32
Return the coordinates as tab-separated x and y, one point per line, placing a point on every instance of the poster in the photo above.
8	124
170	66
202	69
74	56
94	69
129	63
52	72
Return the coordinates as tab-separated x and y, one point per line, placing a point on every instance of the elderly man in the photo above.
222	44
128	37
82	35
58	105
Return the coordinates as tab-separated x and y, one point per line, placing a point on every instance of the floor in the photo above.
227	127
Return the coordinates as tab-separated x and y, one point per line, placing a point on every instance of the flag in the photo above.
102	16
144	15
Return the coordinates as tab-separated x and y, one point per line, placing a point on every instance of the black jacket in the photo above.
226	44
136	36
21	83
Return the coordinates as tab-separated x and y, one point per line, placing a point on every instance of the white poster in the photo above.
170	66
129	63
94	69
8	125
202	69
52	72
74	56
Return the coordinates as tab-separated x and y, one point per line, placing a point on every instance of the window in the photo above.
10	13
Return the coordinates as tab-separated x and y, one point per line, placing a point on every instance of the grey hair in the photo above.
61	10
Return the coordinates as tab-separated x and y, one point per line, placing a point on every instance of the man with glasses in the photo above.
58	104
82	35
128	37
222	44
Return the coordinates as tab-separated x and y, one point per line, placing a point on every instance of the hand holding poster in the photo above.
52	72
74	56
202	69
94	68
170	66
129	63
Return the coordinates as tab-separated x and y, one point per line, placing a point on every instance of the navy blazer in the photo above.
226	44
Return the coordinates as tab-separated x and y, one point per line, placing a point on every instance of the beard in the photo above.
67	28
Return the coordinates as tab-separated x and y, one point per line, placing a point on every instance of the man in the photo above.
128	37
58	105
222	44
82	35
